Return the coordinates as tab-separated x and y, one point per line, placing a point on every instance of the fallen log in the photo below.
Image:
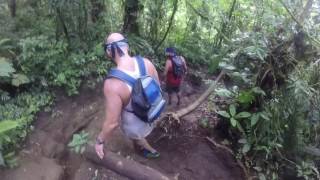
173	118
125	167
193	106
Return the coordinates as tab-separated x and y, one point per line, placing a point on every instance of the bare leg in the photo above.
178	96
169	95
144	143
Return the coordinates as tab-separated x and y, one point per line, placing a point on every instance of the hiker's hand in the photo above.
99	150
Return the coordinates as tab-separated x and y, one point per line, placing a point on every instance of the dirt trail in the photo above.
185	156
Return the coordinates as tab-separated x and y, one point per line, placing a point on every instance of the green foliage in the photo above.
6	68
234	117
284	124
7	125
48	63
250	40
307	170
79	142
10	160
204	122
16	117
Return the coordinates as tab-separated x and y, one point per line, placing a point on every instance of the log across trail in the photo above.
126	167
182	112
133	169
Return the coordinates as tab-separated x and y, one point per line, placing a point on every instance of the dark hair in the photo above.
170	51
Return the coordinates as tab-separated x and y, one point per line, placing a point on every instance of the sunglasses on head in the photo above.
108	46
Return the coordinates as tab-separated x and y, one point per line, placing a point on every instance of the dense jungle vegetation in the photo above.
269	50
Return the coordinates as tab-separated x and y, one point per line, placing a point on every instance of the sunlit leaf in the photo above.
246	148
7	125
254	119
19	79
258	90
232	109
224	114
226	66
223	92
233	122
245	97
264	116
243	115
5	68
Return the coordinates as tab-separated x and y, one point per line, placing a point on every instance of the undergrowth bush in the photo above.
16	117
50	63
285	119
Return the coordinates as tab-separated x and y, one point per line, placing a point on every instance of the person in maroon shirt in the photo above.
173	82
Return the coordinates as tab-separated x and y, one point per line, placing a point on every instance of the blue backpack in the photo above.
146	96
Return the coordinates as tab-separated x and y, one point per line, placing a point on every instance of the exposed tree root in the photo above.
126	167
211	141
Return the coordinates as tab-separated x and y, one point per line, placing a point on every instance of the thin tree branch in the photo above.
63	24
197	12
175	7
306	11
299	24
290	13
225	24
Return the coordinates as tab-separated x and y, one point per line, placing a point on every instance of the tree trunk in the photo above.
126	167
97	8
63	25
130	24
13	7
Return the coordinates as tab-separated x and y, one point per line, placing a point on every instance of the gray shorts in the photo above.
133	127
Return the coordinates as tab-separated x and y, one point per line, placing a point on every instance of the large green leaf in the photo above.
7	125
258	90
19	79
232	110
224	114
245	97
254	119
246	148
243	115
6	68
233	122
223	92
226	66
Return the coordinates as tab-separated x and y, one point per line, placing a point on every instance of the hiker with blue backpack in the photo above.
174	71
133	97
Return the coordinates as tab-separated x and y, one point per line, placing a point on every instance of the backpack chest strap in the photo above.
116	73
142	67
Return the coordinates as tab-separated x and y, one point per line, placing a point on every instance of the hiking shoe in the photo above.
149	154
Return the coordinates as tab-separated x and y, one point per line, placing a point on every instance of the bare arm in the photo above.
166	68
113	109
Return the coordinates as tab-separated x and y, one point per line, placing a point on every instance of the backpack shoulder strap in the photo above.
116	73
142	67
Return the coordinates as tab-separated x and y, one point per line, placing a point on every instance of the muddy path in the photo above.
186	155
